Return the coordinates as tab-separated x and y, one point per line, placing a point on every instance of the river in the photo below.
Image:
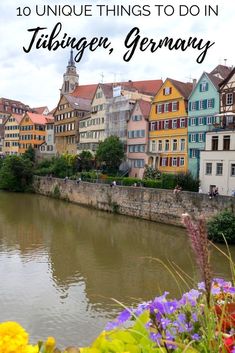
61	265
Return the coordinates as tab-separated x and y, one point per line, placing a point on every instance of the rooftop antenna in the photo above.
102	77
190	78
225	62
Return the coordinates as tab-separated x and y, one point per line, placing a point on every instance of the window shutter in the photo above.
200	87
224	98
204	120
170	90
233	98
204	104
190	106
190	153
156	107
196	135
196	121
186	122
167	161
189	121
189	138
164	91
155	127
162	124
178	123
178	104
160	161
170	124
197	105
178	161
207	86
170	161
213	101
170	107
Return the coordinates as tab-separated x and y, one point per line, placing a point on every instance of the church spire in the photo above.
71	61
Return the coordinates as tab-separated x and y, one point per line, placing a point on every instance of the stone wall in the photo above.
151	204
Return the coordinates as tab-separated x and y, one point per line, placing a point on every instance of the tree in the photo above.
222	226
30	154
16	174
110	152
85	160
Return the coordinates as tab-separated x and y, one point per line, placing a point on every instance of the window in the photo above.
208	168
210	103
167	145
166	109
193	121
182	144
193	137
160	145
159	108
200	120
174	106
166	124
153	146
174	145
194	105
201	105
164	161
181	161
182	122
229	98
219	168
200	137
233	169
193	153
209	120
203	87
226	143
174	124
167	91
215	143
174	162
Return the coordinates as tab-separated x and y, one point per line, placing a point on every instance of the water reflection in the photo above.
60	264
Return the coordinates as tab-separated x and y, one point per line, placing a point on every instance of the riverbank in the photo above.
151	204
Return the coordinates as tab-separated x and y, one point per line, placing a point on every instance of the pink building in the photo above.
137	138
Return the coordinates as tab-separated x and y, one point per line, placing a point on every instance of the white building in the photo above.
217	162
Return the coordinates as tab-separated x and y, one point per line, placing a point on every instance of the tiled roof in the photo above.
214	79
78	102
107	88
17	117
145	107
39	110
85	91
232	72
37	118
149	87
185	88
222	70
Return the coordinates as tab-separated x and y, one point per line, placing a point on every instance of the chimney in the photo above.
194	82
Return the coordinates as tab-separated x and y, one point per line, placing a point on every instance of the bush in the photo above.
148	183
187	181
222	225
16	174
168	181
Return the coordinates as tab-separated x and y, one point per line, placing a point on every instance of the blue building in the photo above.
204	104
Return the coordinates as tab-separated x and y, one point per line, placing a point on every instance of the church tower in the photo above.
71	78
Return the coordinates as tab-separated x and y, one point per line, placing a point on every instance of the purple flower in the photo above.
122	317
196	337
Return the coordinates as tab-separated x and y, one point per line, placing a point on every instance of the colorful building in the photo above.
168	127
32	131
47	148
204	105
11	134
137	138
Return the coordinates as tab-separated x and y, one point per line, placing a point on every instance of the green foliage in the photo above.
86	161
222	225
187	181
29	154
148	183
168	181
16	174
132	340
60	167
56	192
110	152
151	173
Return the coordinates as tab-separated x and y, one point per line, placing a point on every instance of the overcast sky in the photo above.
36	77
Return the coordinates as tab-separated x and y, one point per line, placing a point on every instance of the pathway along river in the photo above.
60	265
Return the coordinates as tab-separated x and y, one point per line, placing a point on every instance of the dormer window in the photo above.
203	87
167	91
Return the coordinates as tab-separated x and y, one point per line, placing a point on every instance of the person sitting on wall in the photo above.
177	189
216	191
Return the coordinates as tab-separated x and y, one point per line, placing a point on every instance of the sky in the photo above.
36	77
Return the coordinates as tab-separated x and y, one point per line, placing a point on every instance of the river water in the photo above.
61	265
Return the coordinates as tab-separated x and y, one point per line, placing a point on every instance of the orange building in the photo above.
168	127
32	131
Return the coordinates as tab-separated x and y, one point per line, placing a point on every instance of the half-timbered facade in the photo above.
227	100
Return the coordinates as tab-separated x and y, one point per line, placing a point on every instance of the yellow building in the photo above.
168	127
32	131
11	134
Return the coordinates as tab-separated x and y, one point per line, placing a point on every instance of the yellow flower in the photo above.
14	339
50	344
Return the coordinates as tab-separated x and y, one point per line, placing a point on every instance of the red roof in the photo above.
148	86
185	88
37	118
39	110
144	107
85	91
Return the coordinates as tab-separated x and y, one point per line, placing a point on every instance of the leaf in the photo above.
124	336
